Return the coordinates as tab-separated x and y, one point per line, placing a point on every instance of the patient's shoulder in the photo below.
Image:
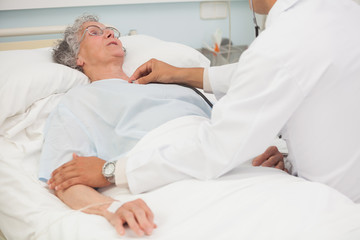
77	91
74	96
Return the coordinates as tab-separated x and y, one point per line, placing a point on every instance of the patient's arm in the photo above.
87	170
79	196
135	213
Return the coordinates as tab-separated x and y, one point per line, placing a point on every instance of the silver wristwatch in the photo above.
108	171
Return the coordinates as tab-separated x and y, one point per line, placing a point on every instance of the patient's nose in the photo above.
109	33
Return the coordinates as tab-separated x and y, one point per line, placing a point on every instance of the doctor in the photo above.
300	77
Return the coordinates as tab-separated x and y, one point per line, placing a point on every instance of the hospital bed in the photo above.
247	203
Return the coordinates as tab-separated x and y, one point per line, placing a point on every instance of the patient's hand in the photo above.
270	158
80	170
136	214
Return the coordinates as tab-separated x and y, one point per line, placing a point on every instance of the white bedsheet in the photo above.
248	203
266	205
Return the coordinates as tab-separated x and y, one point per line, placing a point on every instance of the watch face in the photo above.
109	169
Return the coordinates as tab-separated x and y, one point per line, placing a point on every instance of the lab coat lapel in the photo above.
279	7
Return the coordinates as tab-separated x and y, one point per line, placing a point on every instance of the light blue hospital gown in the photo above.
108	117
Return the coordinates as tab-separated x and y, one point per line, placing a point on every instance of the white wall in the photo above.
26	4
178	22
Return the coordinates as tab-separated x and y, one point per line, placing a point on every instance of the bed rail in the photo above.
44	30
29	31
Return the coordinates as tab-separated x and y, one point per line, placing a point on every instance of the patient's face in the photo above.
102	49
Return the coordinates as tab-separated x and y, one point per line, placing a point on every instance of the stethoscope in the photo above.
257	28
194	89
199	93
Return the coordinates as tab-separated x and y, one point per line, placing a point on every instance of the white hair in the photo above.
66	51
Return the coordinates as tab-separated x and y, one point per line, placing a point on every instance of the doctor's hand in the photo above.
136	214
161	72
270	158
80	170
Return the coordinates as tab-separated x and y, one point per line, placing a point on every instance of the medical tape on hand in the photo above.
114	206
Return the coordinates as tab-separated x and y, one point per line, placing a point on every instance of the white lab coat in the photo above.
300	77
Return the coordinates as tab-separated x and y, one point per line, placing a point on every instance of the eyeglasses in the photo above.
94	30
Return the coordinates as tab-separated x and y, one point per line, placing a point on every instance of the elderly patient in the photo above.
96	124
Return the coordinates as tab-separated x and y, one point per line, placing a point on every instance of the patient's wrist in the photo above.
114	206
100	209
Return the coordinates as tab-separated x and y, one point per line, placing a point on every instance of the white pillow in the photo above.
141	48
30	75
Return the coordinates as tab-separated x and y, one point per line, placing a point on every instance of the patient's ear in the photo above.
80	61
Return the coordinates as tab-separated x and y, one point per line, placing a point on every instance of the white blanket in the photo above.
248	203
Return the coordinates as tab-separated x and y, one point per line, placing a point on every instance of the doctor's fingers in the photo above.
273	161
147	79
144	70
60	173
68	183
272	151
269	152
154	71
63	168
64	179
66	167
281	165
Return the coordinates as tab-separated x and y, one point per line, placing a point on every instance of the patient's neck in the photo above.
108	71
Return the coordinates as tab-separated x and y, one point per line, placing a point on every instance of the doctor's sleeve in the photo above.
244	122
220	79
